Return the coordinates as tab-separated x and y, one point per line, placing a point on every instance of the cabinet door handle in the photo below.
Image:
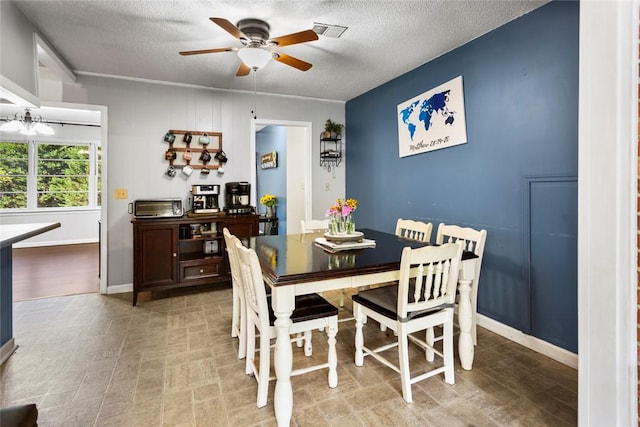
174	254
201	270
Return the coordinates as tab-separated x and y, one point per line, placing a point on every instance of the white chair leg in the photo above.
299	339
263	375
235	313
447	347
341	297
251	349
332	359
430	339
359	356
403	359
383	328
308	346
242	337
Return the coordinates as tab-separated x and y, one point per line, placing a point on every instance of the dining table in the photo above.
296	264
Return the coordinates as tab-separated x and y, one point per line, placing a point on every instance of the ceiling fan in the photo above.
258	48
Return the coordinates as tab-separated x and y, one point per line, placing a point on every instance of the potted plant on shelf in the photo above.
332	129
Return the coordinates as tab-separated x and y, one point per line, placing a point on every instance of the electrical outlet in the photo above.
120	193
327	187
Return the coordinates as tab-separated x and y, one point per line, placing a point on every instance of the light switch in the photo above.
120	193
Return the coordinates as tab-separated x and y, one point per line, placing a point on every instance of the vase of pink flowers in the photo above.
340	216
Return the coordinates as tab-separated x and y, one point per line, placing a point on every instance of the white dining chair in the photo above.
314	225
311	312
415	303
414	230
238	309
472	240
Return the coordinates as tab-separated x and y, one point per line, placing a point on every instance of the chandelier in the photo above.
27	124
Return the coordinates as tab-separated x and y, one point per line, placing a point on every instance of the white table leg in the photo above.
465	342
283	302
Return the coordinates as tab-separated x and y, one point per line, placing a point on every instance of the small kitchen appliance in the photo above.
157	208
205	198
237	198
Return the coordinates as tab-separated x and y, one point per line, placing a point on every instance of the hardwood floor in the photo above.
55	271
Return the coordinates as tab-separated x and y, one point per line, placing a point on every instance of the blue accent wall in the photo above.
521	105
273	180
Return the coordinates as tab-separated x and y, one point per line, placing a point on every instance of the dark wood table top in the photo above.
295	258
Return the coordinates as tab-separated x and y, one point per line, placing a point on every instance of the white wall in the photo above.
17	48
139	115
296	154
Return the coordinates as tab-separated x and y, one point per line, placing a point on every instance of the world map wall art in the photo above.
432	120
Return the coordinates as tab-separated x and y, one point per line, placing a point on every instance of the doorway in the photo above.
80	132
294	162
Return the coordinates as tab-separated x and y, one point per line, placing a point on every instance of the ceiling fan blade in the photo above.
243	70
291	61
198	52
229	27
295	38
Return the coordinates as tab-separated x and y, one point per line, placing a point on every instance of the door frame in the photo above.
307	157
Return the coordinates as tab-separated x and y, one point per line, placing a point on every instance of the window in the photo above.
39	175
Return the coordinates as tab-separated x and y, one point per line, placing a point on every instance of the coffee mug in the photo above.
169	155
187	155
187	138
204	139
205	156
171	172
220	171
221	156
205	171
169	137
187	170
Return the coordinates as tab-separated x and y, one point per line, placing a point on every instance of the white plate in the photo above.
337	238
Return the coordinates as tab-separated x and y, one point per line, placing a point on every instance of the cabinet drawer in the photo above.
200	270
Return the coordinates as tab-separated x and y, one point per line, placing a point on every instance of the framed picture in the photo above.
432	120
269	160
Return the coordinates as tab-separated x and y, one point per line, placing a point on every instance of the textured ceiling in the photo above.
141	39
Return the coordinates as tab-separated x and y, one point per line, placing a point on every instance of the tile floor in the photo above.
93	360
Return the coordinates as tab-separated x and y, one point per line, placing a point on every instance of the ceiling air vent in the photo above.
327	30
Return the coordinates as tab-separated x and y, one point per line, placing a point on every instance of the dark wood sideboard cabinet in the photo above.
187	251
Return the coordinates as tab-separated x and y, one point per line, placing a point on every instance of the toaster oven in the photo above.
158	208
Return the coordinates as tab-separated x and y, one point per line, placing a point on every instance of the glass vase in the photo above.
350	224
337	225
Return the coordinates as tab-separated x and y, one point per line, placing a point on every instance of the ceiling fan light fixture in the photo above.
254	57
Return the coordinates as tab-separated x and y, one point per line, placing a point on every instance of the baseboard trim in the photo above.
120	289
556	353
7	350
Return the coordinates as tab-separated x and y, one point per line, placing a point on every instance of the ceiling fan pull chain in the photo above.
254	112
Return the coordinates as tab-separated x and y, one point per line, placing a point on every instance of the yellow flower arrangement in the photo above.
268	200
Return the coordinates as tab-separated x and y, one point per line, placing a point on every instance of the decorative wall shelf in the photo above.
330	152
179	147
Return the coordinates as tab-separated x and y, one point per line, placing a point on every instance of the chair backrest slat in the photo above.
414	230
432	271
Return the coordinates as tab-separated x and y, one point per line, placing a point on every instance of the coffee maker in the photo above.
205	198
237	198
